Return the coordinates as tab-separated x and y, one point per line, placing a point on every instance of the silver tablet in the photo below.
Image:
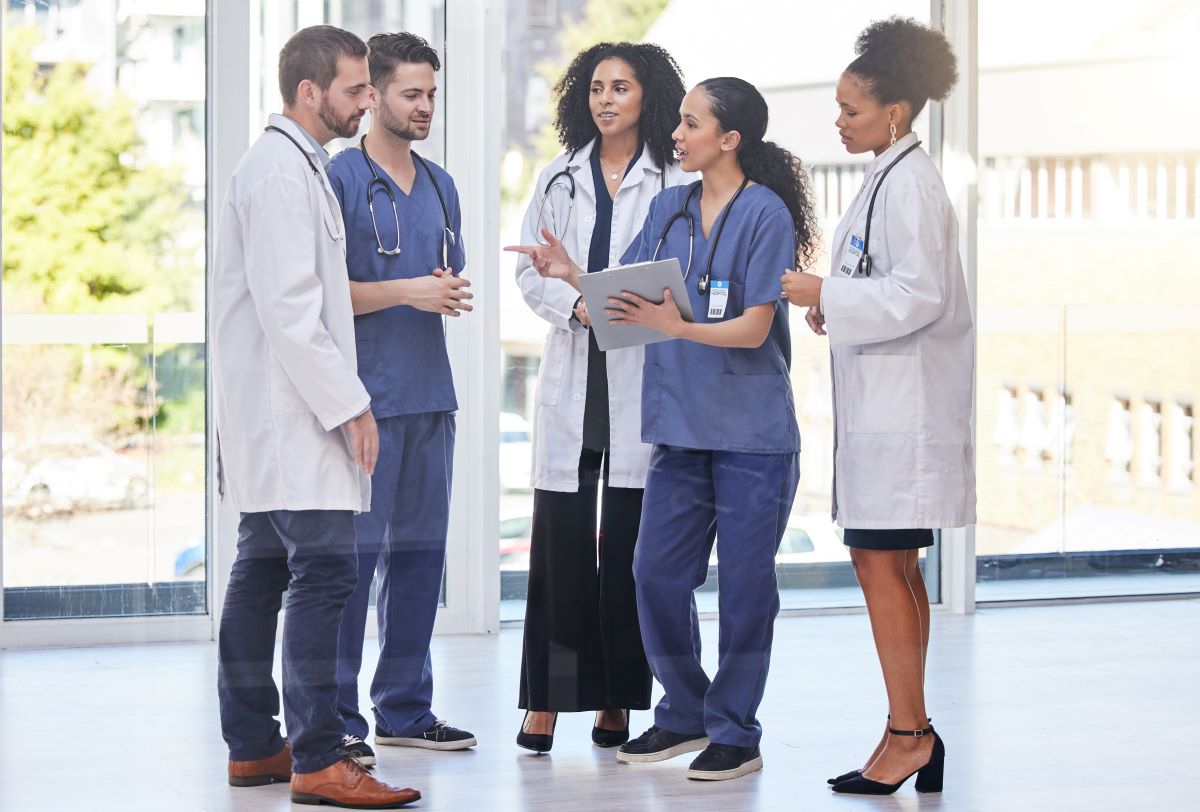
646	279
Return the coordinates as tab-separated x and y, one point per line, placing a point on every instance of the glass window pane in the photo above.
1087	305
103	354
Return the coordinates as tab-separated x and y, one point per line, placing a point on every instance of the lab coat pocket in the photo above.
285	397
554	365
883	397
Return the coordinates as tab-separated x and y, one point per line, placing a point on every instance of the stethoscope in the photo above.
864	260
570	187
378	184
271	127
702	285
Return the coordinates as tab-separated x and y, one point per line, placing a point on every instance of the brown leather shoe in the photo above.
347	783
262	771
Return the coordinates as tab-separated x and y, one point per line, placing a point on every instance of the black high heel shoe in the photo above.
603	737
537	742
929	777
855	773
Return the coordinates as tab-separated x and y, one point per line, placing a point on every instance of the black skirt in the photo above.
888	539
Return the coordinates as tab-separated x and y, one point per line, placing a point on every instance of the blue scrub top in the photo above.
402	356
716	398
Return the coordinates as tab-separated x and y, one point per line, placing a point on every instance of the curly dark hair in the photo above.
738	105
899	59
662	93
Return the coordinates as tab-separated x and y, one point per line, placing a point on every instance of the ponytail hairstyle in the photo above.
662	93
899	59
738	105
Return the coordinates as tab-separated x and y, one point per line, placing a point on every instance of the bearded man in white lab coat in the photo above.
295	436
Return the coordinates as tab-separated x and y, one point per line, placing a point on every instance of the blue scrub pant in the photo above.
310	555
691	498
404	539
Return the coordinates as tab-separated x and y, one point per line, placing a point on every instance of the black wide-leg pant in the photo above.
583	649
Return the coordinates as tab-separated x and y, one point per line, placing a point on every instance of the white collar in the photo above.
885	158
306	140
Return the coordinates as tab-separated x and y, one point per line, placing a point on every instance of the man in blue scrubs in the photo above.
403	253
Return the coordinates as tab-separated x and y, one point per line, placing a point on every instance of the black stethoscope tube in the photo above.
703	283
377	184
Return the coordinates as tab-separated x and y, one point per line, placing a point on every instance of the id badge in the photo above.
853	255
718	298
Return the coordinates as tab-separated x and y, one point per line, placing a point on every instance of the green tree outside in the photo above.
87	226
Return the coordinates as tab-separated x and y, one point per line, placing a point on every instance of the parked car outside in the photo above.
70	473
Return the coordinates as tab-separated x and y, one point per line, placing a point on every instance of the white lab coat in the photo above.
282	337
562	376
903	357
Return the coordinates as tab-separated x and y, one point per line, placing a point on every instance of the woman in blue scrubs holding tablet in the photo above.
717	407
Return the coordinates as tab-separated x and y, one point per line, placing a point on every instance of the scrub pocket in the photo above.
757	413
364	351
883	394
554	366
652	375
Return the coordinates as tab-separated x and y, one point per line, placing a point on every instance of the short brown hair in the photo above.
390	50
312	53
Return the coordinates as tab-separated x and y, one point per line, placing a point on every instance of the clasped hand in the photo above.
805	289
441	292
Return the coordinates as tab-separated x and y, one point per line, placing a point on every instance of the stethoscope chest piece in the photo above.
703	284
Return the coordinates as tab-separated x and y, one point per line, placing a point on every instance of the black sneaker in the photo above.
440	736
720	762
359	750
657	744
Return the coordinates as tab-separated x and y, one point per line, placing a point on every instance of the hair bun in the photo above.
920	57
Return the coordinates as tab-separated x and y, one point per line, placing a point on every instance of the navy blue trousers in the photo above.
742	501
404	539
308	554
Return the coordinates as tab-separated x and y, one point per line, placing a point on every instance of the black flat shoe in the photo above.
537	742
602	737
929	777
855	773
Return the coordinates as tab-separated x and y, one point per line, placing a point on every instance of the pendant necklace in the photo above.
613	175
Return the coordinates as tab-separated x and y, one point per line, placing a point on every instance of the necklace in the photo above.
620	167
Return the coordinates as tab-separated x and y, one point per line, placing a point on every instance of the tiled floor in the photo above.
1092	707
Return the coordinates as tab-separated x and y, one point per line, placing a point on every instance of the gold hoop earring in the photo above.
893	128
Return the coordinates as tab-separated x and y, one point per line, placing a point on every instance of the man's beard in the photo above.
392	124
341	127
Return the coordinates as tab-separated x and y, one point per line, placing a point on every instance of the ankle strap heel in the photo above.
917	734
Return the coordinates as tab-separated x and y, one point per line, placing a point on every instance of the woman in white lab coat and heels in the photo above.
617	106
899	323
